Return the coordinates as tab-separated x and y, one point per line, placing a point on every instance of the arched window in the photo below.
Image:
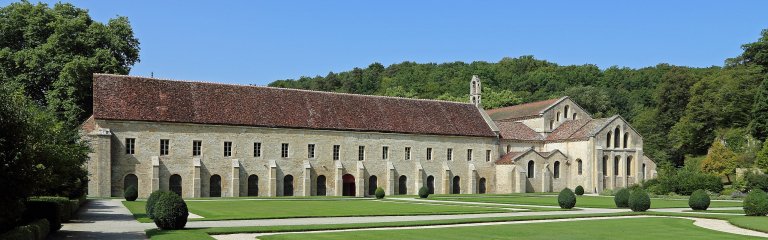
348	186
565	111
215	186
616	161
605	165
431	184
644	170
626	139
253	185
481	186
551	124
578	162
558	116
320	185
608	140
574	116
456	185
629	166
402	186
288	185
130	180
530	169
372	185
174	183
557	169
509	148
617	138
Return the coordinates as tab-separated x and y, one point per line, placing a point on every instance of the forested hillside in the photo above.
679	110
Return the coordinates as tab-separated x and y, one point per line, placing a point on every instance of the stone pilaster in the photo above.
234	186
155	174
338	181
472	181
360	180
546	178
446	179
391	175
272	184
196	188
306	184
521	179
100	163
419	181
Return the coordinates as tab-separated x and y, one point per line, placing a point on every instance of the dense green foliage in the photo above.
379	193
151	201
622	198
50	210
131	193
639	201
36	230
756	203
682	181
170	212
699	200
566	199
751	180
424	192
579	190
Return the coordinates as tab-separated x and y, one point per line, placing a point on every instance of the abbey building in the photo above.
219	140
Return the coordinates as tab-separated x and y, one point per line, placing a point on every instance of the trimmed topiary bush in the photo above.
149	207
131	193
579	190
699	200
566	199
639	201
170	212
379	193
756	203
423	192
622	198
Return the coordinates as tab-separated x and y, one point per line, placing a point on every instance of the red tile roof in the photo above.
580	129
117	97
522	111
518	131
510	157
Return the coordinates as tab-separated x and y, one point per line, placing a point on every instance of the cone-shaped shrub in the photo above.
423	192
130	193
579	190
150	206
170	212
756	203
622	198
639	201
699	200
379	193
566	199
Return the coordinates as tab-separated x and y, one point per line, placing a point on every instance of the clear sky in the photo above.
257	42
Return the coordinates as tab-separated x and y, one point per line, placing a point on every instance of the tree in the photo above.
759	124
754	53
53	52
720	161
761	158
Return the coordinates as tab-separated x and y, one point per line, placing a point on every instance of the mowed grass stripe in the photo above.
583	201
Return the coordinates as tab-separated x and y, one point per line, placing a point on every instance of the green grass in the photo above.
735	211
264	209
636	228
581	201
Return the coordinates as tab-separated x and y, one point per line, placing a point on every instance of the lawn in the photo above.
581	201
263	209
635	228
734	211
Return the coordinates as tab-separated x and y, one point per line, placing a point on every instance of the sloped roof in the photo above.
118	97
522	111
578	129
511	157
518	131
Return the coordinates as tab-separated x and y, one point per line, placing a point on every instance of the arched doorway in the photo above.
320	185
175	184
372	185
348	189
431	184
288	185
481	186
130	180
456	185
215	187
402	185
253	185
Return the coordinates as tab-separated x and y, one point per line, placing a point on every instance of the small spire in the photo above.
475	91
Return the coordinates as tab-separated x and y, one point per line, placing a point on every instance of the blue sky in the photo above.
257	42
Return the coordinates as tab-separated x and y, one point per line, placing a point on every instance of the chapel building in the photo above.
220	140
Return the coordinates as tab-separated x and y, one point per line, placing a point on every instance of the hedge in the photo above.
699	200
379	193
579	190
424	192
639	201
756	203
44	209
566	199
170	212
68	207
150	205
36	230
131	193
622	198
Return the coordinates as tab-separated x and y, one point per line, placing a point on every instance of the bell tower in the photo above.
475	96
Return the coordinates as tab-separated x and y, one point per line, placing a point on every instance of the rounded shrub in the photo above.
622	198
170	212
150	206
379	193
699	200
639	201
756	203
423	192
566	199
579	190
131	193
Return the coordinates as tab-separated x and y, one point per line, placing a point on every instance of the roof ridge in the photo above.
280	88
528	103
582	126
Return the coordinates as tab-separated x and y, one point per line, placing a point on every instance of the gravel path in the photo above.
103	219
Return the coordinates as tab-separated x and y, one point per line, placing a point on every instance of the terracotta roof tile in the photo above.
578	129
118	97
518	131
565	130
510	157
522	111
